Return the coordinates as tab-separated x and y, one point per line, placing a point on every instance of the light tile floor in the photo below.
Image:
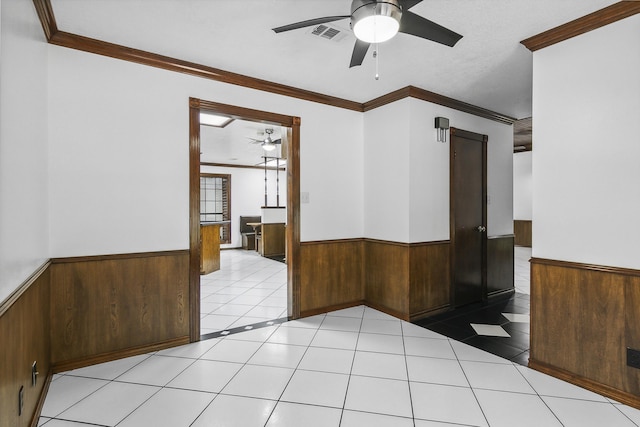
351	368
522	270
247	289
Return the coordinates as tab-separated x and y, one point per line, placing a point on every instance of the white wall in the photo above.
586	105
409	200
522	186
247	194
24	213
386	172
119	156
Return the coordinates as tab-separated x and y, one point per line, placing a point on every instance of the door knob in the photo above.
481	228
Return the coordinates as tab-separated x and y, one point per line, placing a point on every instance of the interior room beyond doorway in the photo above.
248	286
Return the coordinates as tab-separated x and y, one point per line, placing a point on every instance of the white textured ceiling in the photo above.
488	67
233	145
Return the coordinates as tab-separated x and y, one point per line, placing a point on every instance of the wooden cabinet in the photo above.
271	241
209	248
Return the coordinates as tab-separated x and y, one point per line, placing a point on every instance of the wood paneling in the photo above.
111	305
632	332
332	275
209	248
272	240
24	338
387	276
600	18
583	317
522	230
408	281
500	266
429	279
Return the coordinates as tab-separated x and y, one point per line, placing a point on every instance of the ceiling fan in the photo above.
268	144
376	21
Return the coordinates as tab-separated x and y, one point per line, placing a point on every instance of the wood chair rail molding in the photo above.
99	47
595	20
15	295
584	266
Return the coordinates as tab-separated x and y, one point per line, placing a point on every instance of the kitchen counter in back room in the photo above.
210	246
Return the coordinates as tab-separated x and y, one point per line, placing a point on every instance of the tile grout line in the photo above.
154	394
406	366
234	375
353	360
470	387
294	372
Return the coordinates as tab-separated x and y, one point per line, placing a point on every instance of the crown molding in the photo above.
600	18
425	95
47	18
74	41
86	44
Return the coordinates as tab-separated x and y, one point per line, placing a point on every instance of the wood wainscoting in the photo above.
500	266
387	278
522	232
107	307
332	275
583	319
407	280
24	339
429	279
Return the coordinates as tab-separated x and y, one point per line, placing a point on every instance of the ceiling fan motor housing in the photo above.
362	9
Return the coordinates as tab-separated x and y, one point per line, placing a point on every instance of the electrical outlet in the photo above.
633	358
21	400
34	373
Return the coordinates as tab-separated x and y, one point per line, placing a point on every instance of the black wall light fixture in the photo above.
442	125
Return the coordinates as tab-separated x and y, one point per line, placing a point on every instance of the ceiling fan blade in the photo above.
309	23
359	51
408	4
277	141
416	25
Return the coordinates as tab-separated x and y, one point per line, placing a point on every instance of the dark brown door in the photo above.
468	216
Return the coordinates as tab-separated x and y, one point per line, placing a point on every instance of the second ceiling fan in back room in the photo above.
376	21
268	143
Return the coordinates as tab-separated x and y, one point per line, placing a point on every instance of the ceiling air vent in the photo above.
329	32
319	30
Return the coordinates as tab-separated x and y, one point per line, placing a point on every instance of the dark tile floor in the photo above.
456	324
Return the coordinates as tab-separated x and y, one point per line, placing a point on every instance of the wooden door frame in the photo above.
483	139
293	202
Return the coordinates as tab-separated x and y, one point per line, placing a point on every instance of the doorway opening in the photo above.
468	217
291	133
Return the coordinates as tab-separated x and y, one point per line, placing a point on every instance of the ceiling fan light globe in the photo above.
376	21
268	147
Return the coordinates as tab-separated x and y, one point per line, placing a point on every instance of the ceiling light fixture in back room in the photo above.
267	144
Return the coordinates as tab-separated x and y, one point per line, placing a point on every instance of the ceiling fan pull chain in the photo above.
375	55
